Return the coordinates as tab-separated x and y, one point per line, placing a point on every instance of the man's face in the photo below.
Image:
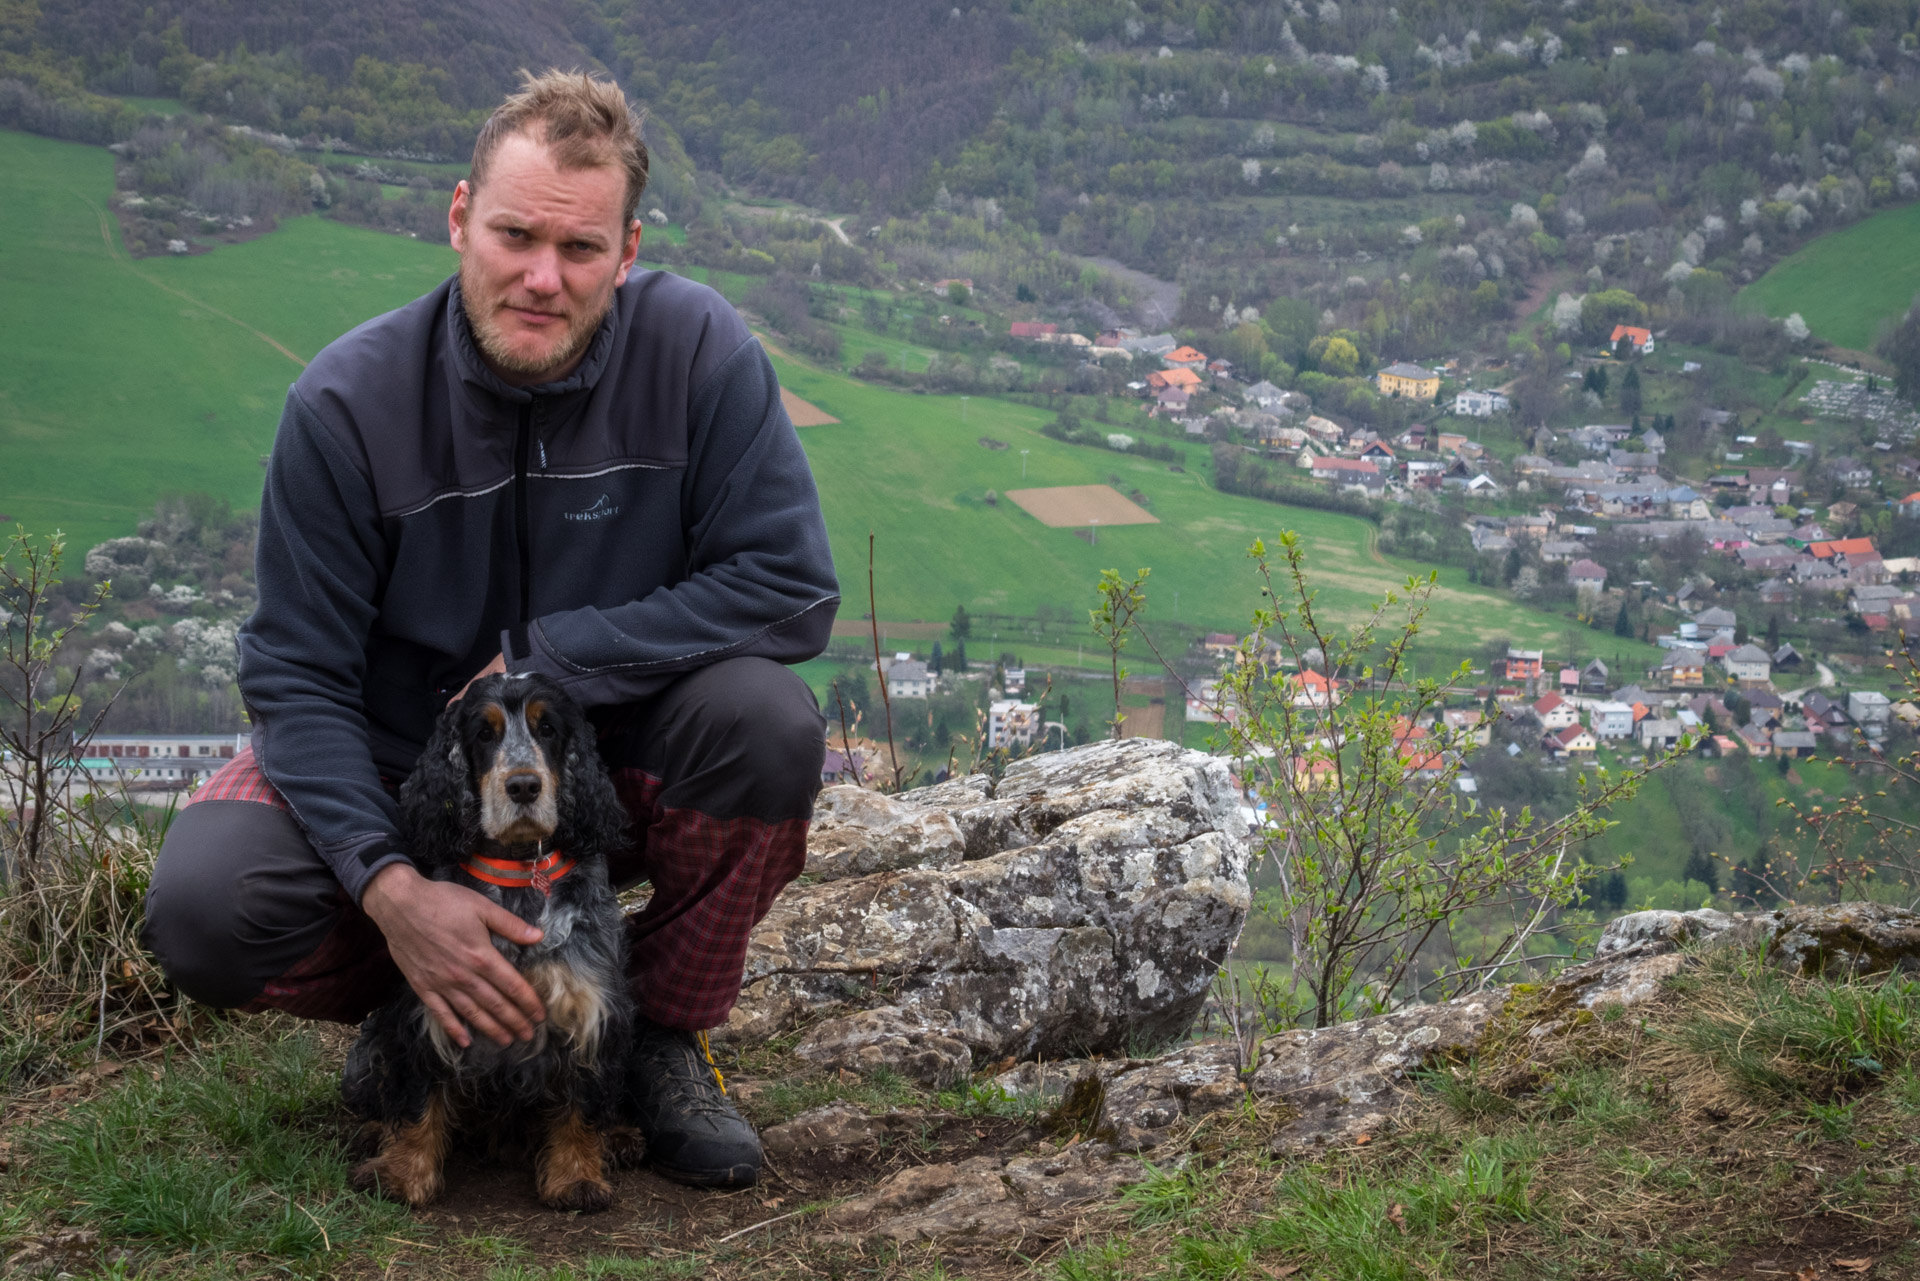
541	251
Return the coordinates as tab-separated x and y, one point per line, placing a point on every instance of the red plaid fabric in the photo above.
713	879
239	779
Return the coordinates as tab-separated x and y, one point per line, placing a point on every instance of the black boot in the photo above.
676	1098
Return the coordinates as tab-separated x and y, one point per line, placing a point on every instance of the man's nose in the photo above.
543	273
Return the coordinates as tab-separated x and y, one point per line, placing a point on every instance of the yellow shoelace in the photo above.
706	1048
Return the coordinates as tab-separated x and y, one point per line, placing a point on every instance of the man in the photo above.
549	464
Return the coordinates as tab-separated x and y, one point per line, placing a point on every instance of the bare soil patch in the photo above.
1144	722
803	413
1069	506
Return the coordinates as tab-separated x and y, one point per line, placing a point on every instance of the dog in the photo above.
509	799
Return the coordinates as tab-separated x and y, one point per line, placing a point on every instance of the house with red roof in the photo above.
1844	551
1167	379
1640	339
1185	358
1035	330
1556	713
1574	740
1311	689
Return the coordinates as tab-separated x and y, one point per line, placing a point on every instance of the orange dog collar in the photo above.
520	873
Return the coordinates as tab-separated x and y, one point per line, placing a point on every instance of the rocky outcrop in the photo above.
1080	905
1833	941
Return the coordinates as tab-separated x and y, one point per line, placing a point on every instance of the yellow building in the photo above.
1408	380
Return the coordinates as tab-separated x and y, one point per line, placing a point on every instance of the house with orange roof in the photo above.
1842	550
1640	339
1036	330
1423	764
1910	505
1556	713
1185	358
1311	689
1311	774
1168	379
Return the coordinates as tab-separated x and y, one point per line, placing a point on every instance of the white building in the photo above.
907	677
1011	724
1479	404
1867	707
1610	720
163	758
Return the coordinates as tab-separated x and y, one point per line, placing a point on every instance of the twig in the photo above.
873	616
100	1038
765	1223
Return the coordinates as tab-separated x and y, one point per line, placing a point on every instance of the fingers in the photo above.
510	997
506	924
452	1026
481	1014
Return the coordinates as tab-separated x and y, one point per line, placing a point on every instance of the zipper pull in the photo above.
543	452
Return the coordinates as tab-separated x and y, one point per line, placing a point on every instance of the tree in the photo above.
1622	624
1773	633
962	626
1902	350
1602	310
1630	391
937	661
959	659
1596	381
1341	358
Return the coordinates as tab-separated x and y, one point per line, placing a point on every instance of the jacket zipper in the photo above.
523	540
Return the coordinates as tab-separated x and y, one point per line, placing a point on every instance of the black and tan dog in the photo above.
509	799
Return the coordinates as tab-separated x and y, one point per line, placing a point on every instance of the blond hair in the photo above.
584	121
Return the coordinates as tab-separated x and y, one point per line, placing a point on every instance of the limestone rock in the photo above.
857	832
918	1044
1101	889
1848	938
837	1125
962	1200
1663	927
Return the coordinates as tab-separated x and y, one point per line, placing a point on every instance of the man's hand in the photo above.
440	936
496	668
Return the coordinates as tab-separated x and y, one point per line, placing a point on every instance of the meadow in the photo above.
1848	284
134	379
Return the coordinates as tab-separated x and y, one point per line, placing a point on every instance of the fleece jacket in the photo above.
649	515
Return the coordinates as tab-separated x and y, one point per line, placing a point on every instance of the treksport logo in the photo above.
603	509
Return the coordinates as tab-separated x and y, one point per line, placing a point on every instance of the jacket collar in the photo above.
473	368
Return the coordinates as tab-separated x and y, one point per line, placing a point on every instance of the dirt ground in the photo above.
804	413
1066	506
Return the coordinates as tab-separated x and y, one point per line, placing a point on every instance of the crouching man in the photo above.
552	463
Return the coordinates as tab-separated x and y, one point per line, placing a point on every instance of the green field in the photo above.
1847	284
132	380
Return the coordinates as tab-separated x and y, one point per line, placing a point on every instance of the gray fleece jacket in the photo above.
649	515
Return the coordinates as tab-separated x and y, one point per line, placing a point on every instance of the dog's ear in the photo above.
592	820
439	813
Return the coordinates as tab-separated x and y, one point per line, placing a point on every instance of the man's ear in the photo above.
457	215
628	252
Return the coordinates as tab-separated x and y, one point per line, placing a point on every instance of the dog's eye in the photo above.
547	730
484	734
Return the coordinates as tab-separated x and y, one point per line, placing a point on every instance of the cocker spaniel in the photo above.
509	799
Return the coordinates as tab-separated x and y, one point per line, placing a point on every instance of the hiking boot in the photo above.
678	1100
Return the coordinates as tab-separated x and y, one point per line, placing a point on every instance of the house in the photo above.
1264	394
1715	619
1165	379
1379	453
907	677
1593	677
1641	340
1323	429
1187	358
1786	658
1764	707
841	766
1449	442
1479	404
1408	380
1850	471
1794	743
1150	344
1684	667
1556	713
1556	551
1611	720
1220	644
1469	723
1033	330
1756	740
1311	689
1748	665
1868	707
1423	763
1587	576
1011	724
1524	664
1574	740
1659	733
1685	503
1348	473
1482	484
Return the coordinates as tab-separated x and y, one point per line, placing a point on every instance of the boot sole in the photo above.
737	1176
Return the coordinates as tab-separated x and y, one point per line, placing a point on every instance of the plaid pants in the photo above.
718	776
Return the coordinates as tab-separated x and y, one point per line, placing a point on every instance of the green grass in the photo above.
154	106
132	380
1847	283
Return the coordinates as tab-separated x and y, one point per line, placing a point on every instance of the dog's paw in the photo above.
583	1196
626	1150
380	1177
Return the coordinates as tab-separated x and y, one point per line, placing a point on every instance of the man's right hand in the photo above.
440	935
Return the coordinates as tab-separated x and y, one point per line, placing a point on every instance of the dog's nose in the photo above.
523	788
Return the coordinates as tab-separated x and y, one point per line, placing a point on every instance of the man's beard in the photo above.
482	308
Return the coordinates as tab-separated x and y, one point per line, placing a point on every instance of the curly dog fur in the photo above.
511	773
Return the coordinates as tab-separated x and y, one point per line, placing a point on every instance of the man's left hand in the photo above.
497	667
